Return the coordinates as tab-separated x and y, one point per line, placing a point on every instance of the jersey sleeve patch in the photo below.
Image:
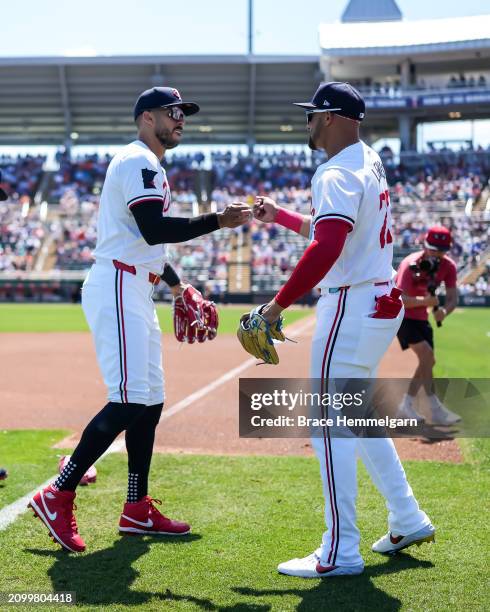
148	177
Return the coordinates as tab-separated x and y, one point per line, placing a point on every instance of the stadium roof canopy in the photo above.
406	37
242	98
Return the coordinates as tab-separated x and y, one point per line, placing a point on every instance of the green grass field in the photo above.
70	317
248	514
463	344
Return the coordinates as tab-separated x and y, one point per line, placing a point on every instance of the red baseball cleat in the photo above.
143	517
90	475
3	473
55	509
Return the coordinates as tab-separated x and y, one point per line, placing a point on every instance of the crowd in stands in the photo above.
427	189
392	88
471	81
21	235
21	175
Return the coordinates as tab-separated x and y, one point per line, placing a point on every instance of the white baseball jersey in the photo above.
133	177
352	186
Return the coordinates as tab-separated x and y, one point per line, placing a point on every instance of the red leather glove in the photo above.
194	317
388	306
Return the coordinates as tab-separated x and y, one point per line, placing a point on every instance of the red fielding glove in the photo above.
388	306
211	319
194	317
180	320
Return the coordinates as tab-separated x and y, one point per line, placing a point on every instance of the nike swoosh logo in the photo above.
51	515
148	523
396	539
324	570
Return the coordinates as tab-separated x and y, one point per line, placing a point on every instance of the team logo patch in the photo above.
148	178
176	93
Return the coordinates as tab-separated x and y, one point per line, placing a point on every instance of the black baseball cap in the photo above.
3	194
159	97
339	98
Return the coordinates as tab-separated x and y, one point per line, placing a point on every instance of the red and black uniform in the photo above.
416	282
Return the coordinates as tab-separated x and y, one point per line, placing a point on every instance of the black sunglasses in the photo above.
310	113
174	112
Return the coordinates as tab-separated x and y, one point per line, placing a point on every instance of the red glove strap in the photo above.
290	219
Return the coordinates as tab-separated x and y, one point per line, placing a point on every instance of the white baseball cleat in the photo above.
407	411
310	567
440	415
390	543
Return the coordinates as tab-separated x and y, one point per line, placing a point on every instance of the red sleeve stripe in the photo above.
334	215
146	199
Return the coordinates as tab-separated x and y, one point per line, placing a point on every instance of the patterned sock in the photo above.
133	495
140	437
67	472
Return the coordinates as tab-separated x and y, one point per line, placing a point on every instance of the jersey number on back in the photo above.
385	236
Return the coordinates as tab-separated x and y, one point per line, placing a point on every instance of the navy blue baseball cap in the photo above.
3	194
160	97
339	98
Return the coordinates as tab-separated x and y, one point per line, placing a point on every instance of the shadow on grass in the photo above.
344	593
105	576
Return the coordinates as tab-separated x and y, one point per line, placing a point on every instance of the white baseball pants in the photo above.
119	309
349	344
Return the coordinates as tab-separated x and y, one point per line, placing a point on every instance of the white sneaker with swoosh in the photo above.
390	543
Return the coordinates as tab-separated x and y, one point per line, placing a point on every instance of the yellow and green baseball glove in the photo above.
257	336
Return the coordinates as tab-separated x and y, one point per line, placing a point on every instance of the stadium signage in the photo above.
474	97
386	102
429	100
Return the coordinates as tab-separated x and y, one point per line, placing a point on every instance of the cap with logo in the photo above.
160	97
339	98
3	193
438	238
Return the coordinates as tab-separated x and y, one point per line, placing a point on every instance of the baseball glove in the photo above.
194	317
257	335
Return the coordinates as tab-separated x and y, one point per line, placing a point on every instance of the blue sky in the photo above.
126	27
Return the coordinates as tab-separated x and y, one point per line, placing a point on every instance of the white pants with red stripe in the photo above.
121	315
349	344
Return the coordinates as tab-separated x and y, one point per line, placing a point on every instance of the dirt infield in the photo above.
52	381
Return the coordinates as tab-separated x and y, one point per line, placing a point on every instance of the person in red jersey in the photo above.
419	275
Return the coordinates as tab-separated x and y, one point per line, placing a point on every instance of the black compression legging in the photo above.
99	434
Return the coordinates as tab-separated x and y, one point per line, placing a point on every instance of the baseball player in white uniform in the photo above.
134	224
350	259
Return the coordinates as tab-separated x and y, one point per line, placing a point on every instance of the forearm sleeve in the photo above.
319	257
157	229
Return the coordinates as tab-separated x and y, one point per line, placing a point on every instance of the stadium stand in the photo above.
438	187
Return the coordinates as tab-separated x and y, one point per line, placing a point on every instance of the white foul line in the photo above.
9	514
293	330
15	509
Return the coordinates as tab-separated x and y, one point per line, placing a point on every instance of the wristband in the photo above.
289	219
170	276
